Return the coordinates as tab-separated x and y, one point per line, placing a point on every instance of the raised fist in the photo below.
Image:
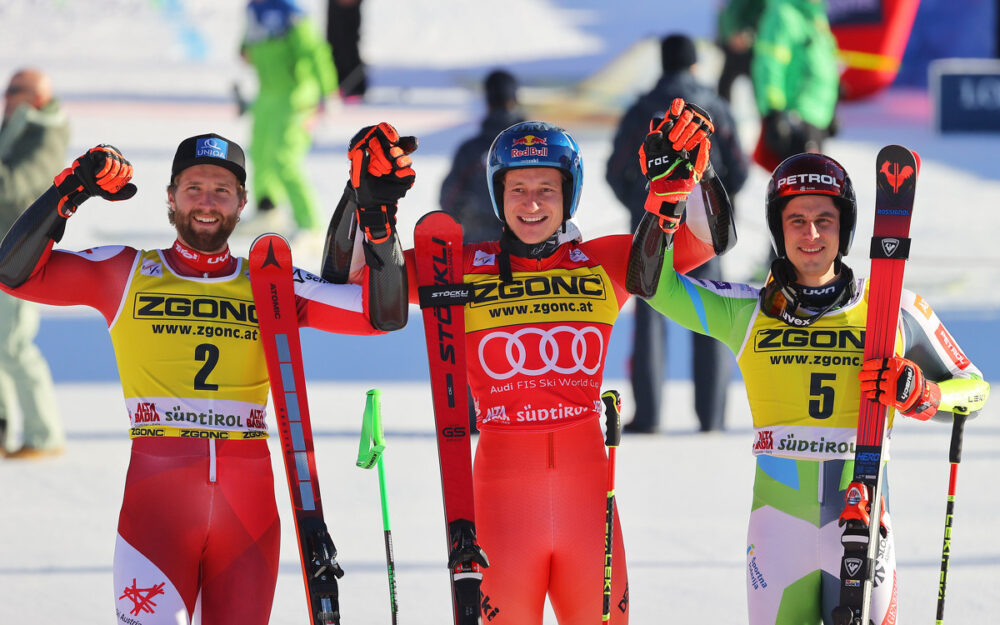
101	171
381	174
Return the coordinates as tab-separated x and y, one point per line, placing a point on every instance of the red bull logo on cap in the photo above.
531	145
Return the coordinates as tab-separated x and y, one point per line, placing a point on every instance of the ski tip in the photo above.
266	236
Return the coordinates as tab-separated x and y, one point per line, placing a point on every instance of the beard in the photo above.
201	239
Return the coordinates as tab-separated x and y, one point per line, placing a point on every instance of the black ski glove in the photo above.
381	174
101	171
674	157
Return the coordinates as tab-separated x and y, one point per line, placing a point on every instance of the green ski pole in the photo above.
370	455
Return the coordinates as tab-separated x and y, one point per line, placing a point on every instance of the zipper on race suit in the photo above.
212	466
552	450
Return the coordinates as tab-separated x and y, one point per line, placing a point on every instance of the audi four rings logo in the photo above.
516	351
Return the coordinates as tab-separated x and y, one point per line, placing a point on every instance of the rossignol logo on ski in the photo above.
896	175
889	246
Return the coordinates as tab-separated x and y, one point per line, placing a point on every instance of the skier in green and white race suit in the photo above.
799	343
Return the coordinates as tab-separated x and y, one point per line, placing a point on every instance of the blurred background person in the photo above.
295	74
711	364
796	84
795	79
735	28
463	194
343	32
33	141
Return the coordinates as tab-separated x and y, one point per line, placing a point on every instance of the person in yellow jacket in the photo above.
295	73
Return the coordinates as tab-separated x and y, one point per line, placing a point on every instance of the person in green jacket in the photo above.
799	343
736	26
295	73
795	79
33	142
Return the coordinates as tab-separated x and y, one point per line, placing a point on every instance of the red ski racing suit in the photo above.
536	351
198	523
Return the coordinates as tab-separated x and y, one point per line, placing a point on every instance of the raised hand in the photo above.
381	174
101	171
673	157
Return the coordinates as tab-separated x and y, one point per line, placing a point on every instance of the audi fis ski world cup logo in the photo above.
535	351
533	146
895	175
211	147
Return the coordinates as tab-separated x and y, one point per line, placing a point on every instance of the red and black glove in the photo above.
381	174
673	157
101	171
898	383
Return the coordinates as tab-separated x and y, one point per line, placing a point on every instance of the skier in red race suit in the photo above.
538	324
198	524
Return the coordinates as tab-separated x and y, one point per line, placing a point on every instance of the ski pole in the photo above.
612	411
954	457
370	454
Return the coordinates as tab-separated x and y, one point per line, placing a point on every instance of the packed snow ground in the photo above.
684	499
144	74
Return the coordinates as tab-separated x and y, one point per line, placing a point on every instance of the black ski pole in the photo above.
612	438
954	457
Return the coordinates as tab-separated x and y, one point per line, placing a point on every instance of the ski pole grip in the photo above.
613	413
372	439
957	430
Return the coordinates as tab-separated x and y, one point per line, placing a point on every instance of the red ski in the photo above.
896	172
271	278
438	249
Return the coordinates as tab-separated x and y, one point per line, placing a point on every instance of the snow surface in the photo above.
142	75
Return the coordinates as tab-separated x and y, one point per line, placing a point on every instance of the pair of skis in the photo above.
438	241
896	174
271	280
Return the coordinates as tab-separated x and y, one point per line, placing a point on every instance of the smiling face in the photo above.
811	225
533	202
206	202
